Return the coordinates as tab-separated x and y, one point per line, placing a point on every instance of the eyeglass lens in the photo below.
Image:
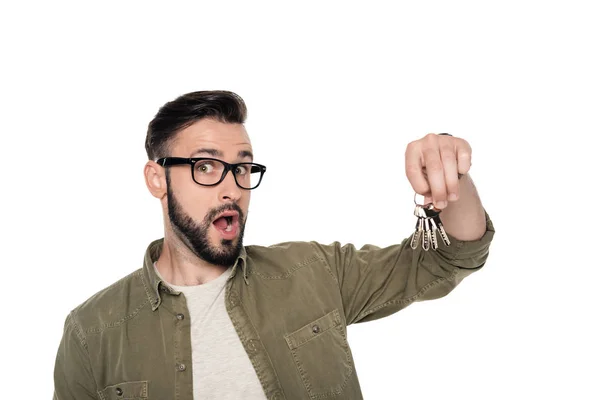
209	172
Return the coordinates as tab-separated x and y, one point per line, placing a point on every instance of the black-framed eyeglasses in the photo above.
212	171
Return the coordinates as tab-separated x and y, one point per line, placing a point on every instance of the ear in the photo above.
155	179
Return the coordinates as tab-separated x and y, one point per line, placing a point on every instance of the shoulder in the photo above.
282	259
285	251
113	305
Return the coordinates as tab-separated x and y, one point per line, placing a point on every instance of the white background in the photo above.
342	88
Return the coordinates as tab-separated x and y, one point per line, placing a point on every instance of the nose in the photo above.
228	189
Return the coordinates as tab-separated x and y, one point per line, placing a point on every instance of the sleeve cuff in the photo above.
469	253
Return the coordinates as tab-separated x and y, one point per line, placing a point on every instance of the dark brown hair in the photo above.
224	106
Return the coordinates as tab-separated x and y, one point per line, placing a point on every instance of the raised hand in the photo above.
433	165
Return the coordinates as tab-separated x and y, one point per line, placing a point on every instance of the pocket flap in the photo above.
313	329
125	391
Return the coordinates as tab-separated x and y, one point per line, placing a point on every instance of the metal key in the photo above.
426	234
414	242
434	214
434	230
430	211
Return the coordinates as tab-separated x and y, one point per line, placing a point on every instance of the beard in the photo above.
195	235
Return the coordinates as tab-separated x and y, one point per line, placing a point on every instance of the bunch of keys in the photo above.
428	224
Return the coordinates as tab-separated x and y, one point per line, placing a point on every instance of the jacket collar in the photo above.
153	284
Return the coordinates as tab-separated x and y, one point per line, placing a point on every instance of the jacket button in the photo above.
180	317
316	329
181	367
119	391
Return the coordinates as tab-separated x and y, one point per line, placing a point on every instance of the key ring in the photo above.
434	208
415	200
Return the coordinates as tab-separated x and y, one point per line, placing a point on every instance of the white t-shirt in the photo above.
220	365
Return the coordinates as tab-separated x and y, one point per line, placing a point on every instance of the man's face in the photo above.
194	209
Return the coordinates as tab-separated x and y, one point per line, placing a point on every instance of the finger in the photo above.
449	162
414	168
463	155
435	175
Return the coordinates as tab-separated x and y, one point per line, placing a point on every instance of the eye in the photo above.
205	167
241	170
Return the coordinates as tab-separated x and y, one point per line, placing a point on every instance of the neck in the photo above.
179	266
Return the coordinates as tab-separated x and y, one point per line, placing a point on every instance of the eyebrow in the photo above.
218	153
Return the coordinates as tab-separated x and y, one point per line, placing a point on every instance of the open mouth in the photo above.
227	224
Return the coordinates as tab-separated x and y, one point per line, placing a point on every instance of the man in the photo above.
208	318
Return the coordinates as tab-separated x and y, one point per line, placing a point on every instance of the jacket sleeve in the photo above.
73	379
375	282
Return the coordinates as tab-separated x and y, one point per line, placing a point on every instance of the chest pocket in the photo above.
322	355
125	391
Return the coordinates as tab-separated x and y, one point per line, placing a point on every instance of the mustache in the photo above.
226	207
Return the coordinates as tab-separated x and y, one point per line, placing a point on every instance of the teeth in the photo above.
229	227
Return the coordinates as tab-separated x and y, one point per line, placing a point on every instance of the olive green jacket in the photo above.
290	304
